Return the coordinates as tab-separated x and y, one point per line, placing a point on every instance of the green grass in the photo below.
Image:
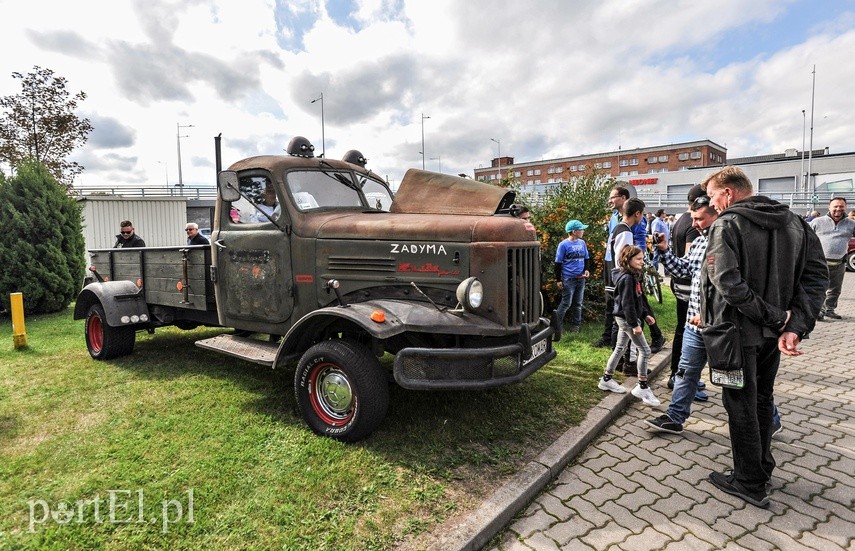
172	418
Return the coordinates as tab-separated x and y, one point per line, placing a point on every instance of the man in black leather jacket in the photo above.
765	270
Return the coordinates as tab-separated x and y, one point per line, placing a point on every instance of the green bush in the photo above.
41	241
583	198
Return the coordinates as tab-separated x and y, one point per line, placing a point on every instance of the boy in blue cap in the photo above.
572	268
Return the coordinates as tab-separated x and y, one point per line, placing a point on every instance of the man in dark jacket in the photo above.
126	237
765	271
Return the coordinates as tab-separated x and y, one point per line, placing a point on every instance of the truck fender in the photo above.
120	299
303	333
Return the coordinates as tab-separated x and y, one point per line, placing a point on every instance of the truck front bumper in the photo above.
475	368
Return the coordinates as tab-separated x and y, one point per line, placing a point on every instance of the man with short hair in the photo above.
834	231
693	353
126	237
764	271
682	236
617	197
193	235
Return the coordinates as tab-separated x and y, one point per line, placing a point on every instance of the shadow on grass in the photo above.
444	433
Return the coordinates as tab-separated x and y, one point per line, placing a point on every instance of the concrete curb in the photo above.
497	510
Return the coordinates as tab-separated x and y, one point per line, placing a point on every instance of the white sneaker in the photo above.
646	395
611	385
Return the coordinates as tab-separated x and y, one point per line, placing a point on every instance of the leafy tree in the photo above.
40	124
583	198
41	240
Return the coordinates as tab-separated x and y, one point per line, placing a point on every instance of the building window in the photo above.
663	170
623	173
559	169
683	157
583	167
695	155
529	172
624	162
598	165
663	158
536	182
537	172
651	160
633	162
517	174
530	182
607	164
572	168
633	173
652	171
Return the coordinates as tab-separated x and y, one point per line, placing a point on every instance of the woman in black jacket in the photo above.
630	308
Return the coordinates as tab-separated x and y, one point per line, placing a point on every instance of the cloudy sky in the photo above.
545	78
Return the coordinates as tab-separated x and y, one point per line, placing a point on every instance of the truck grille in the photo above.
523	285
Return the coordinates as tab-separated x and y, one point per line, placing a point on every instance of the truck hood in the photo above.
385	226
423	192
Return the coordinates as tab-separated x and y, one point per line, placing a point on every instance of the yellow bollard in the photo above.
19	330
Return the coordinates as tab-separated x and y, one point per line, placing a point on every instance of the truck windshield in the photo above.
319	189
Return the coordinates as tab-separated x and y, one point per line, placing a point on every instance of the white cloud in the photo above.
547	78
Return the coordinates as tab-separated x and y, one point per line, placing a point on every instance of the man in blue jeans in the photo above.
693	355
572	268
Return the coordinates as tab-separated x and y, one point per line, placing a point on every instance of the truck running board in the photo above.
260	352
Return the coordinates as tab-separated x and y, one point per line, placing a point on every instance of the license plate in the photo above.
537	349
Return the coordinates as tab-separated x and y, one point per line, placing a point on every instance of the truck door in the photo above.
252	256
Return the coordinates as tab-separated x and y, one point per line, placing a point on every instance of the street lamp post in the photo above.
810	147
323	138
178	139
423	139
498	156
440	162
802	175
165	171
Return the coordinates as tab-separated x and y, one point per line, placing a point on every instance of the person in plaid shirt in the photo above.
693	355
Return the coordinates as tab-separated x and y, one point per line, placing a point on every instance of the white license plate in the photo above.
537	349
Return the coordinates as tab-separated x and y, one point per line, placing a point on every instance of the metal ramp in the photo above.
245	348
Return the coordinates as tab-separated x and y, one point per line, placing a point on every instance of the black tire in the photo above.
341	390
103	341
850	262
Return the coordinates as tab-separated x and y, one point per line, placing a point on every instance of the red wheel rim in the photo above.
331	395
96	333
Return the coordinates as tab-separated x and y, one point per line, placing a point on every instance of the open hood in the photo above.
423	192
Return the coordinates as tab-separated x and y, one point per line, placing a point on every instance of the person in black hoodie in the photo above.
764	271
630	308
126	236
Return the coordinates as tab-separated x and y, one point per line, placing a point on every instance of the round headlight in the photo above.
470	293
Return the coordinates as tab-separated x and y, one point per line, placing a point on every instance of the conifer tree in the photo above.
41	240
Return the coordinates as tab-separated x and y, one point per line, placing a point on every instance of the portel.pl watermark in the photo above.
116	507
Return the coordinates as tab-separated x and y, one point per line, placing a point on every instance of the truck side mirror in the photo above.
227	182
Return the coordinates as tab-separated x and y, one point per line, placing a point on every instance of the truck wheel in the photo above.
105	342
341	390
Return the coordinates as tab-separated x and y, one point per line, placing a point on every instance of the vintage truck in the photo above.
315	260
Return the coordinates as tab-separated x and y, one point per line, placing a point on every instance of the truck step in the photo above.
253	350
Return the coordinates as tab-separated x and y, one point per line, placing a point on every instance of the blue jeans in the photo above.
572	295
693	358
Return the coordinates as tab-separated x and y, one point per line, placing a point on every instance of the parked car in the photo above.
205	231
850	256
